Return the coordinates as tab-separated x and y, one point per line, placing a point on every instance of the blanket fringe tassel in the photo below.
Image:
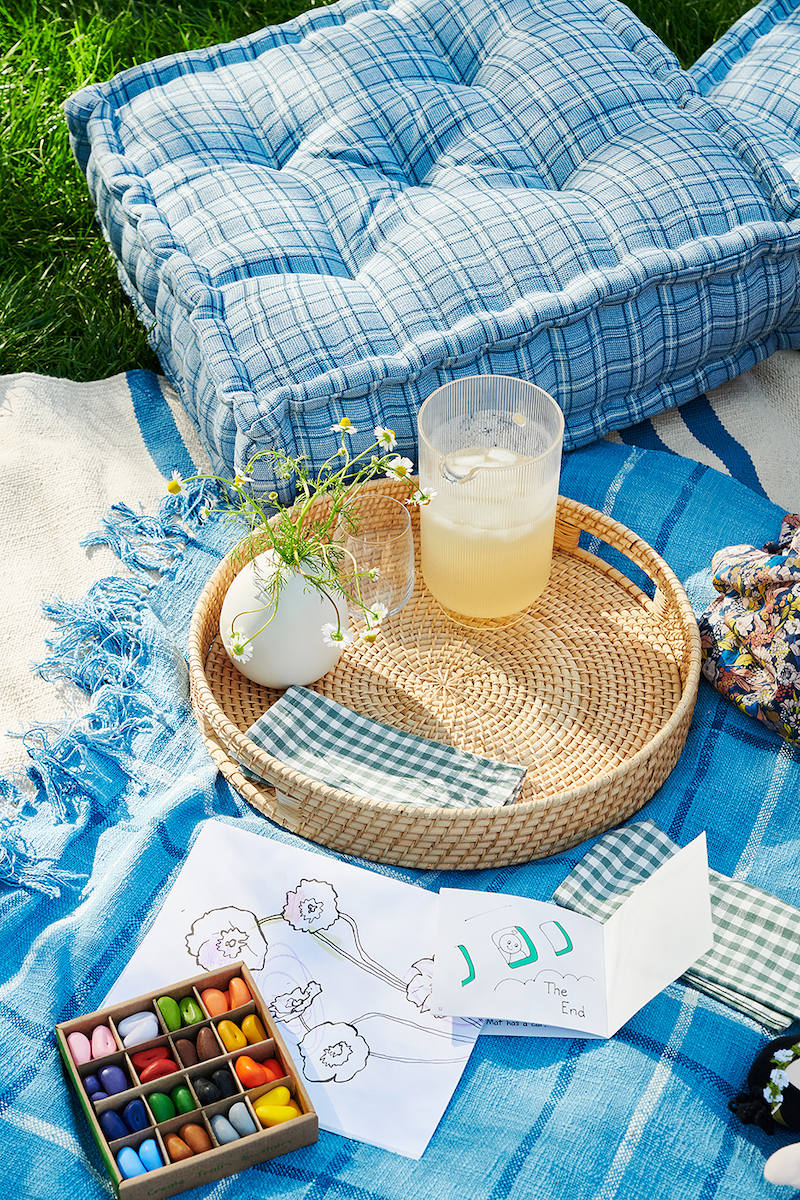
99	647
155	543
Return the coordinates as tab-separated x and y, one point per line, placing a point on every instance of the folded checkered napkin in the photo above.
754	965
327	742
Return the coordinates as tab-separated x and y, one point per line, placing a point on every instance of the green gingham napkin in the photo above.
754	965
327	742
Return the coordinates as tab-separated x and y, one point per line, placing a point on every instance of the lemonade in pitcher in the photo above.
490	448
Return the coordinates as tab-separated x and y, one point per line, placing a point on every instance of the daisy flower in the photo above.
399	468
240	650
385	436
375	614
423	496
175	485
344	426
241	480
334	635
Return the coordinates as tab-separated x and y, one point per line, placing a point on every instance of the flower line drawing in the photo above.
310	909
313	908
290	1006
226	935
331	1051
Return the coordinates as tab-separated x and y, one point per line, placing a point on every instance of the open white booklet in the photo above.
514	959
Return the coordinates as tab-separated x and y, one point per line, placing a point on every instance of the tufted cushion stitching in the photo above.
376	198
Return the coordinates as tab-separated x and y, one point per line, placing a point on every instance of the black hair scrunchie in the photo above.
753	1107
753	1110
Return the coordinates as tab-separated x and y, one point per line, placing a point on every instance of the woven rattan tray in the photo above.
593	691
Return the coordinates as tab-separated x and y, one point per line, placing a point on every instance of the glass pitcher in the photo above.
490	448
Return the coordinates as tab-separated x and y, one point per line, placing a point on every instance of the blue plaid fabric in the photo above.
753	71
337	215
118	805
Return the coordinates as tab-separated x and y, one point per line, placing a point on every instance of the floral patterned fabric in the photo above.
750	634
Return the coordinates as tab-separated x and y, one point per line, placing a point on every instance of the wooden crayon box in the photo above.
222	1157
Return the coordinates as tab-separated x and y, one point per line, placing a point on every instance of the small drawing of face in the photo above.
509	943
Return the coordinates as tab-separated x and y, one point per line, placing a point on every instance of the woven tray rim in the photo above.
243	751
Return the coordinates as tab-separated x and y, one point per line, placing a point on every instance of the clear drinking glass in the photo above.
379	546
490	448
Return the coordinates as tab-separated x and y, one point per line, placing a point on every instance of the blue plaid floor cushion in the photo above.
754	70
336	215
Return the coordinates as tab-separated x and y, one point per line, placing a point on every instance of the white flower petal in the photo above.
385	436
344	426
398	467
334	635
375	614
239	650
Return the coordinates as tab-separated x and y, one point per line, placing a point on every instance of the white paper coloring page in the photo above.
531	1029
343	959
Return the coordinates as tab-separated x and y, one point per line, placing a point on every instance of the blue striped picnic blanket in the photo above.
748	428
112	806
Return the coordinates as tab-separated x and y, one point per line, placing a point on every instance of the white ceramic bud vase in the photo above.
292	648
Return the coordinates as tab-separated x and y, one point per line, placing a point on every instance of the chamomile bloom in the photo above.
399	468
385	437
242	480
175	485
239	649
344	426
423	496
334	635
374	573
370	636
375	614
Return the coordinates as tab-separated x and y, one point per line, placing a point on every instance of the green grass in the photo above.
689	27
62	311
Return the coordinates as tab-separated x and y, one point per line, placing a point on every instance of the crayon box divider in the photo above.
165	1085
117	1102
257	1092
224	1106
113	1022
135	1140
236	1016
86	1024
161	1040
176	1123
220	1161
174	1038
204	1112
